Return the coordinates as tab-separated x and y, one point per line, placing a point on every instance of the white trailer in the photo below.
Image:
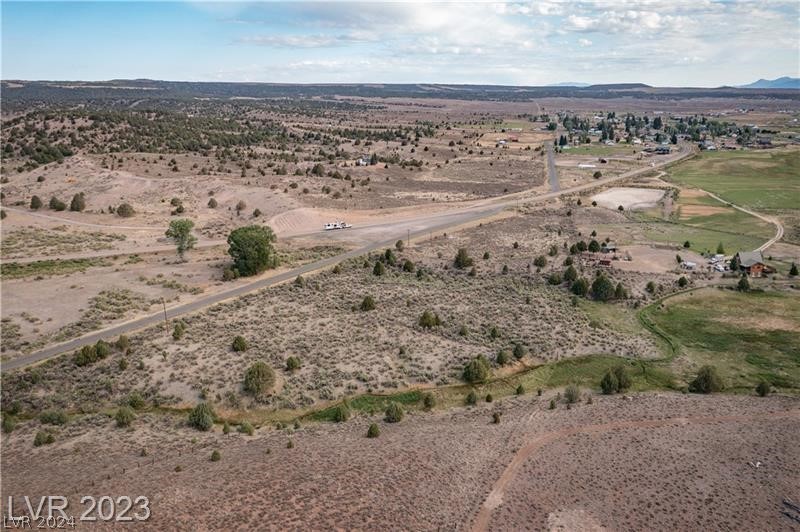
336	225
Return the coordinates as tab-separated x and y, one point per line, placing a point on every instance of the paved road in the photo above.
768	219
417	227
551	169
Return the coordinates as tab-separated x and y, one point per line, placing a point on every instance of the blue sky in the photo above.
660	42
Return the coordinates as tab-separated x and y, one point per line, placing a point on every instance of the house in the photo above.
752	263
662	150
608	247
362	161
688	265
707	145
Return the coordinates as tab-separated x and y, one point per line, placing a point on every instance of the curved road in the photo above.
415	228
768	219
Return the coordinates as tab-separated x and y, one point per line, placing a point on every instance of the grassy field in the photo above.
746	336
601	150
761	180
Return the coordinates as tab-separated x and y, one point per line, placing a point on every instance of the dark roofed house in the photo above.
752	263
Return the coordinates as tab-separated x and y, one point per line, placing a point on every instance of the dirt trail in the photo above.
768	219
495	497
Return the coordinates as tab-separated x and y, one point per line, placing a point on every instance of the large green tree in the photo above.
180	231
252	250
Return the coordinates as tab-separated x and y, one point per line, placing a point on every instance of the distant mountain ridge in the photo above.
780	83
569	84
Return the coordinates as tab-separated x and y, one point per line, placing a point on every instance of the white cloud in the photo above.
584	42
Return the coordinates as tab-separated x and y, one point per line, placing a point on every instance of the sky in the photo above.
697	43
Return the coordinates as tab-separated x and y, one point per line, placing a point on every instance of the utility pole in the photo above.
166	323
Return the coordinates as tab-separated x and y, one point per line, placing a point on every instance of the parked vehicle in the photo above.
336	225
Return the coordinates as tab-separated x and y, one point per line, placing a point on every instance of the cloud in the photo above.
584	42
307	41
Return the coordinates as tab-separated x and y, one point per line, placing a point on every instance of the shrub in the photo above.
743	285
53	417
293	363
472	398
399	245
57	205
602	288
428	401
78	202
519	351
239	344
36	203
623	379
122	343
379	269
570	274
300	281
651	287
477	370
245	428
609	383
367	304
252	250
43	437
580	287
489	398
258	378
178	330
341	412
135	400
212	203
793	270
496	418
598	174
373	431
462	259
429	320
125	210
408	266
707	381
683	281
486	255
594	246
554	278
503	358
202	417
572	393
494	332
552	404
520	390
763	389
394	413
215	456
9	423
124	416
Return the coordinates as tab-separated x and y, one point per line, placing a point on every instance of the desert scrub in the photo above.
239	344
429	320
215	456
53	417
202	417
341	412
108	305
293	363
707	381
477	370
43	437
373	431
259	379
367	304
14	270
394	413
124	416
29	241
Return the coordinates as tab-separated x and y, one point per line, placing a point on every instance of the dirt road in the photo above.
495	497
768	219
551	169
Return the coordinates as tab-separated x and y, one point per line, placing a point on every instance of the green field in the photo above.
601	150
748	337
761	180
17	270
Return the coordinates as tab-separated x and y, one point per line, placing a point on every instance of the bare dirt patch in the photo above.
630	198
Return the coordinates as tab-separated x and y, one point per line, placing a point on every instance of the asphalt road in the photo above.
551	169
415	228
